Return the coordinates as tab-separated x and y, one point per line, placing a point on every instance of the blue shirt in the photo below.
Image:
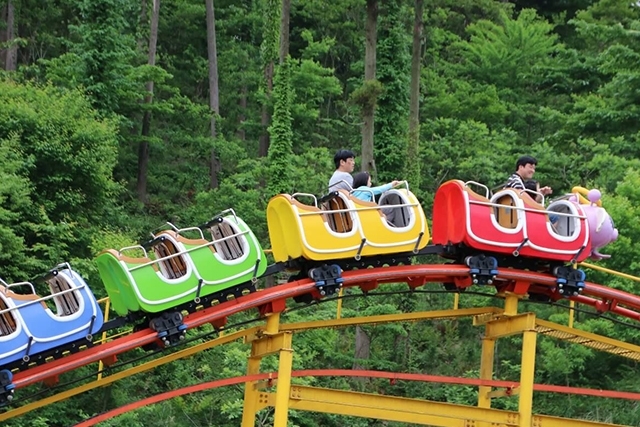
366	193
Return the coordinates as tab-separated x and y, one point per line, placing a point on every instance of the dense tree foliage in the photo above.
498	79
58	158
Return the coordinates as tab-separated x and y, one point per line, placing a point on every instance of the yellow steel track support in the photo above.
508	326
107	305
572	306
486	371
126	373
410	411
524	324
339	308
250	394
511	304
284	383
266	342
609	271
275	338
588	339
525	398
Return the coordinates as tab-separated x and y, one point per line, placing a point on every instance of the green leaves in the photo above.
506	52
454	149
393	72
281	146
58	159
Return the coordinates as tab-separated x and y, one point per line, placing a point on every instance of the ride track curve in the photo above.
391	376
602	298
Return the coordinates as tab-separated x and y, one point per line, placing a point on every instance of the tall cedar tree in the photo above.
269	53
412	166
214	91
143	149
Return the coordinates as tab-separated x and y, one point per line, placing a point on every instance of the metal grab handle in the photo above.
340	182
405	182
486	189
129	248
529	192
198	229
315	200
33	290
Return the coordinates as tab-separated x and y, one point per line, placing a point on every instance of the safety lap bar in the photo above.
486	189
315	200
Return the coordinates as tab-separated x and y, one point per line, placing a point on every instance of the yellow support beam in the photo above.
126	373
276	338
283	388
609	271
390	408
588	339
572	306
511	303
339	308
505	393
251	394
411	411
270	340
273	324
508	326
527	369
486	371
107	306
270	345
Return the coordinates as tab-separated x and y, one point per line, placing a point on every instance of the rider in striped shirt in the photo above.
525	168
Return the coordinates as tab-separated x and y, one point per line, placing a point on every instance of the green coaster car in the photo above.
176	270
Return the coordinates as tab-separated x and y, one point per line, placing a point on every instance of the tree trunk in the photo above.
406	363
3	36
143	150
142	22
263	147
412	167
363	347
368	162
284	30
214	92
9	55
271	33
242	102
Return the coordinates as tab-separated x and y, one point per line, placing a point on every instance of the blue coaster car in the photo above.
33	325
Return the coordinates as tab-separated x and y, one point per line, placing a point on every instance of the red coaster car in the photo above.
510	222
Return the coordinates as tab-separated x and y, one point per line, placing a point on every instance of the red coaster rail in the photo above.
274	300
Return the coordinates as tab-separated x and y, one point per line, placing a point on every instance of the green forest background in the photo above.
119	115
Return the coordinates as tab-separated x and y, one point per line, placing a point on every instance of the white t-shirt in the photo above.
335	183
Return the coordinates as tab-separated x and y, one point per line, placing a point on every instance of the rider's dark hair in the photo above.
531	184
526	160
343	155
360	179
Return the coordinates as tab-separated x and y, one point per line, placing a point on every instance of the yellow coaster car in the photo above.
340	226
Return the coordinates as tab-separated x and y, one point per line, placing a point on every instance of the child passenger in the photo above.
363	189
533	189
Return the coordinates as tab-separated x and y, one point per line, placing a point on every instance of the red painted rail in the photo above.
392	376
598	296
